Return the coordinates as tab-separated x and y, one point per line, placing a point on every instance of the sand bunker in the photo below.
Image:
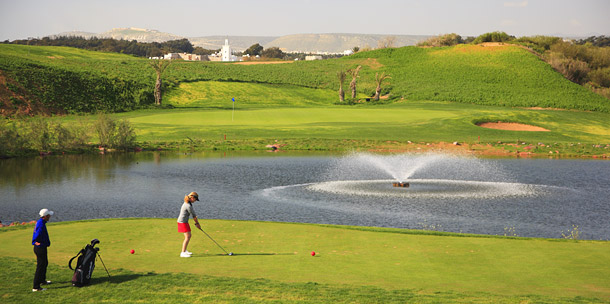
511	126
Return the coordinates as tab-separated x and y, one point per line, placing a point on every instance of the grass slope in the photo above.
362	262
489	75
500	75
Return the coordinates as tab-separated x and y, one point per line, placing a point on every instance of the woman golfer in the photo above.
183	221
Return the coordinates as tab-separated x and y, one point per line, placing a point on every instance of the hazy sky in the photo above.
21	19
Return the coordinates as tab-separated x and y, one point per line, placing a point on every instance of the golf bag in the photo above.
85	264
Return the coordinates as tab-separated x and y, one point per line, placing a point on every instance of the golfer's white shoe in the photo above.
38	289
184	255
190	253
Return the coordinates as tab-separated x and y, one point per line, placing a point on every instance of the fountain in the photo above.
429	175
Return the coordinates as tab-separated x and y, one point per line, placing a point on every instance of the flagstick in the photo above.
233	112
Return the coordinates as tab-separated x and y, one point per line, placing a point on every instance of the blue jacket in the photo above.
40	234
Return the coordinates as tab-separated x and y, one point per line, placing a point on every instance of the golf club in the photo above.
229	253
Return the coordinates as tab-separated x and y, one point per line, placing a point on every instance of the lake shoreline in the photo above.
482	149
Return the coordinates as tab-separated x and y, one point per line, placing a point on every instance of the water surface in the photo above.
532	197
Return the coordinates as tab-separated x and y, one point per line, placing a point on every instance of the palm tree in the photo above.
352	85
341	75
159	65
379	79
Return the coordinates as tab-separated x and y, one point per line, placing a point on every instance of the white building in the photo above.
185	56
313	57
226	54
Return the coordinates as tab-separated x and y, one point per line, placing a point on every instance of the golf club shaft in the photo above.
213	241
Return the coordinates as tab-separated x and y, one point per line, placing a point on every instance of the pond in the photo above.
524	197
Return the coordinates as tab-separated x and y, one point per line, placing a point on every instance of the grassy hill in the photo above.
492	75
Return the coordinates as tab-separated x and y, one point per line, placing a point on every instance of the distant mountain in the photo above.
238	43
331	43
336	43
132	33
141	35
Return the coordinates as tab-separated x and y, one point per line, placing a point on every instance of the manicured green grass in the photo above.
408	121
272	261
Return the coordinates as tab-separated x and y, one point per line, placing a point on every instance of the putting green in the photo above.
385	258
415	121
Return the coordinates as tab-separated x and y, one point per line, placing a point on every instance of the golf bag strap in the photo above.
76	256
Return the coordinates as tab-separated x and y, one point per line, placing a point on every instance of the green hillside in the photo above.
493	75
504	75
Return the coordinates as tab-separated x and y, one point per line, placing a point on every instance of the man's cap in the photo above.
45	212
195	195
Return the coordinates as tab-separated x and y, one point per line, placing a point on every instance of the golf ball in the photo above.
230	253
313	253
132	251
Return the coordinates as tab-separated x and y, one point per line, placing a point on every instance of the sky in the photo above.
21	19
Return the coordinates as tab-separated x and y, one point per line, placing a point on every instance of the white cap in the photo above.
45	212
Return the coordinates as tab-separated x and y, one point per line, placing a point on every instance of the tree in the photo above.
254	50
352	85
356	49
159	65
179	46
379	80
273	52
341	75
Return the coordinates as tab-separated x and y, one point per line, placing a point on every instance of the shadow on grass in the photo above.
114	279
238	254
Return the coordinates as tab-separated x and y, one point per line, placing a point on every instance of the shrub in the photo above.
573	69
10	139
539	43
104	127
599	56
114	134
125	136
600	77
570	50
603	92
493	37
39	134
44	135
443	40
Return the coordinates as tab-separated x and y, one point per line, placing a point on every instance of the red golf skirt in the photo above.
184	227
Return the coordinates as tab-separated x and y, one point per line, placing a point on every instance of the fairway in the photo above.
407	121
274	112
390	259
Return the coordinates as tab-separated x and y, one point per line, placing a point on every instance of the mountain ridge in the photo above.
304	42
